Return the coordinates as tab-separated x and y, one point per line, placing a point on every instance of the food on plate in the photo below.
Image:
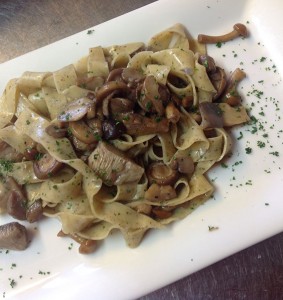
120	140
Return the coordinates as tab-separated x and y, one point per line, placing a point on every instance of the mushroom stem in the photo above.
238	30
231	95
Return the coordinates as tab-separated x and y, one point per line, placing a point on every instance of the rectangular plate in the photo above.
247	206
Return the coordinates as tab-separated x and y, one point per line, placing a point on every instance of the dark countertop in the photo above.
254	273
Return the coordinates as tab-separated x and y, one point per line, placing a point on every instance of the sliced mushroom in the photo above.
16	199
105	105
84	133
139	125
110	87
149	99
113	129
9	153
208	62
34	211
13	236
219	81
211	115
56	131
115	75
46	167
159	193
76	110
16	206
161	174
112	166
184	164
238	30
121	105
80	146
132	76
96	125
31	153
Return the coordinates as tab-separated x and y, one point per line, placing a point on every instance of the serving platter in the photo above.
247	205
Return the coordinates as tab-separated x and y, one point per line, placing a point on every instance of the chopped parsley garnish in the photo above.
248	150
6	165
261	144
218	44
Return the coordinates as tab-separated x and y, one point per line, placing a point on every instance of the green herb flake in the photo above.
262	59
13	283
212	228
223	165
248	150
260	144
241	136
275	153
6	165
218	44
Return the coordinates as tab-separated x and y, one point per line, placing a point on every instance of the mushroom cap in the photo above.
241	29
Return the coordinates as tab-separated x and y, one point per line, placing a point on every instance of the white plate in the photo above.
247	206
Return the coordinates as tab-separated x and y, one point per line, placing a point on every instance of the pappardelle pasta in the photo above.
120	140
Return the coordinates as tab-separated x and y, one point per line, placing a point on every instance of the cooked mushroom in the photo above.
208	62
121	105
112	129
132	76
219	81
105	105
113	166
91	83
115	75
183	163
161	174
34	211
80	146
238	30
76	110
46	167
187	102
86	245
161	213
16	206
149	99
231	95
96	125
159	193
9	153
110	87
139	125
13	236
84	133
56	131
16	200
31	153
211	115
172	113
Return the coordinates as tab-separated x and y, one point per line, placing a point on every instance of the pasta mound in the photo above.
131	131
